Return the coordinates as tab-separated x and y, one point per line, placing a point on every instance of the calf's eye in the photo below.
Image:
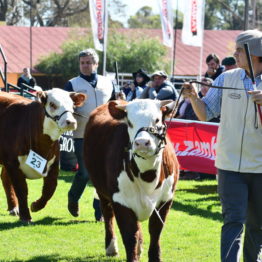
53	105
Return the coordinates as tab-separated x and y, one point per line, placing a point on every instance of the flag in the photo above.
166	15
98	15
193	24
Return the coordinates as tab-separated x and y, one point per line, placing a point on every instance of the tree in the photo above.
73	13
224	14
9	11
144	18
131	53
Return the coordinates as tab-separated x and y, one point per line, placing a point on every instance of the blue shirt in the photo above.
213	97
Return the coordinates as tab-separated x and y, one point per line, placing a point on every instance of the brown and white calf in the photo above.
33	125
134	169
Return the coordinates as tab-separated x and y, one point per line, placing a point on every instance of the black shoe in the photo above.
73	208
98	214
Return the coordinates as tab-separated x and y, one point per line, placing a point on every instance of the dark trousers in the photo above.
81	178
241	199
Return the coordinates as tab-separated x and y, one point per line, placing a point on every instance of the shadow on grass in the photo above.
47	221
193	210
56	258
202	189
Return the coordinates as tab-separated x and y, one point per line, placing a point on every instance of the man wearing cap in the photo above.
160	88
229	62
239	149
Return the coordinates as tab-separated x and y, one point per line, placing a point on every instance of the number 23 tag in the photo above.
36	162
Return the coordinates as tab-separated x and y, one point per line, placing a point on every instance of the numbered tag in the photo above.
36	162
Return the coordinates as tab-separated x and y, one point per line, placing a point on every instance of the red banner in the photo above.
195	144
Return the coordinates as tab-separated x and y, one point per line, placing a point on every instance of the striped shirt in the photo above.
213	97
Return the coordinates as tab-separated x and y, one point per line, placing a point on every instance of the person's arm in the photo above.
190	91
32	82
19	82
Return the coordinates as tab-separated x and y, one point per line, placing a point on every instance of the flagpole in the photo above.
174	44
202	46
105	38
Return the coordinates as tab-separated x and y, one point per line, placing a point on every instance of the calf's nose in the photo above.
71	124
142	143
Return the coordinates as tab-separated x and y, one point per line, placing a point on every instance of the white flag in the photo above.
193	24
166	15
98	15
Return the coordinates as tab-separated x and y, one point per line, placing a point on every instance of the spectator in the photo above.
26	78
203	91
136	88
214	69
204	88
239	154
185	110
99	90
160	88
229	62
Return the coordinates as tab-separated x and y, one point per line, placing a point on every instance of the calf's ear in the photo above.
41	96
117	109
78	98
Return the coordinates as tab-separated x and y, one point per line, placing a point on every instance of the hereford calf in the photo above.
134	169
33	125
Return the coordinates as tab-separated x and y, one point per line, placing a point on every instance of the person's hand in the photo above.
211	71
256	96
189	90
132	86
151	84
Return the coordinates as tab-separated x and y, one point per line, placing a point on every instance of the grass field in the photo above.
191	233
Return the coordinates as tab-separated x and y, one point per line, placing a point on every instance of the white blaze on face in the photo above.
59	103
143	113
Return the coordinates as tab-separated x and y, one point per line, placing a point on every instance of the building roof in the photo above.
15	42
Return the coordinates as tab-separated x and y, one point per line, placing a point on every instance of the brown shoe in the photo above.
73	208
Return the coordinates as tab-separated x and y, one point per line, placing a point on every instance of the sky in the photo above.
132	6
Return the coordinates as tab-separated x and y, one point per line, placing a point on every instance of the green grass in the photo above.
191	232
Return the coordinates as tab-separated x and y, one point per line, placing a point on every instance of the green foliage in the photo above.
65	63
191	232
137	51
226	14
132	52
144	18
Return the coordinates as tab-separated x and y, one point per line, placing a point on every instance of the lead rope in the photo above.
175	107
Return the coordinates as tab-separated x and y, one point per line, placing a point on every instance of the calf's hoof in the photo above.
14	212
26	222
112	249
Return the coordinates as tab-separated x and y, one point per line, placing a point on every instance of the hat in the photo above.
159	73
143	73
254	40
230	60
